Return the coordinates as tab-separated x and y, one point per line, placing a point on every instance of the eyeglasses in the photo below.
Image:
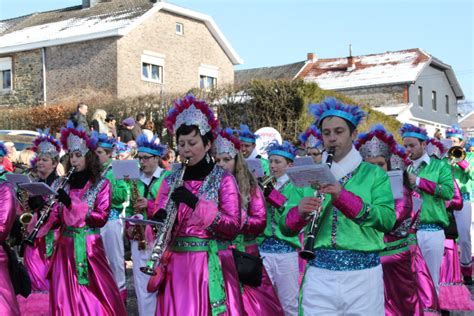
144	158
315	154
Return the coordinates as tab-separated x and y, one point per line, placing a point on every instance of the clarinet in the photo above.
46	211
308	252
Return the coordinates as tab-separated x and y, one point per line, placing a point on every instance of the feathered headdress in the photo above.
285	149
377	142
76	139
409	130
312	137
34	161
189	111
245	135
455	131
3	150
333	107
46	144
121	148
151	146
469	143
227	143
435	148
399	159
105	141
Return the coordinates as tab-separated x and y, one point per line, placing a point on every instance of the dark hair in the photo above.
352	128
140	116
92	165
149	125
80	105
188	129
110	118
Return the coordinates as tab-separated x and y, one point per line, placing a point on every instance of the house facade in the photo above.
115	48
410	85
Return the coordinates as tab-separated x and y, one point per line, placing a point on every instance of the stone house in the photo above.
411	85
111	48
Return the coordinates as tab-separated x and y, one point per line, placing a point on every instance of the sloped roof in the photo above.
271	73
105	19
467	122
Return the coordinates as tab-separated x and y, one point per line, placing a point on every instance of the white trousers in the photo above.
463	224
432	247
472	225
283	270
146	301
112	237
327	292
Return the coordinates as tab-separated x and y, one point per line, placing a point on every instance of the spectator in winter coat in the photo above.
125	130
79	117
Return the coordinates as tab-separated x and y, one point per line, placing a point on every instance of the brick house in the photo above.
411	85
113	48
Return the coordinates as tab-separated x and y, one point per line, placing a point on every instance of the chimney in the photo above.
311	58
350	60
91	3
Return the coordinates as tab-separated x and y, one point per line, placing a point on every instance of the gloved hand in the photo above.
268	189
159	216
183	195
64	198
36	203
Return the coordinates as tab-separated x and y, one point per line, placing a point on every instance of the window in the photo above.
433	101
207	83
6	73
179	28
420	96
152	67
447	103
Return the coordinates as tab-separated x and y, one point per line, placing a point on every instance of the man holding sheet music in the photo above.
346	275
150	152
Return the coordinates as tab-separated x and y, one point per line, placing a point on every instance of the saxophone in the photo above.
156	265
26	215
138	232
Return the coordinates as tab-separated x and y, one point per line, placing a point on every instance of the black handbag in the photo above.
18	274
249	268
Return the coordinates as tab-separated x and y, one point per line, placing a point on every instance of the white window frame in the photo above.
181	27
153	59
208	71
6	65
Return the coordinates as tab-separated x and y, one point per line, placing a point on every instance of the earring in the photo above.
208	158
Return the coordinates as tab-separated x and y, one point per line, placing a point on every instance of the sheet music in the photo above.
125	169
396	182
38	188
16	179
255	167
303	161
315	174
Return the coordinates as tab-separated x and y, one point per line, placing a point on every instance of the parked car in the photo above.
21	138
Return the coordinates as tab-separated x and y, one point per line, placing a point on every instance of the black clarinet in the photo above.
46	211
308	252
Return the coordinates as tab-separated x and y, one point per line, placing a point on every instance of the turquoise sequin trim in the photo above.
114	214
430	227
344	260
466	196
273	245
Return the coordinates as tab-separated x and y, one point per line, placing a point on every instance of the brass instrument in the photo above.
47	210
308	252
267	180
26	215
164	236
138	230
456	154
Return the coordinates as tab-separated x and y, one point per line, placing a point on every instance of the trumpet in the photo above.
267	180
47	210
164	236
308	252
456	154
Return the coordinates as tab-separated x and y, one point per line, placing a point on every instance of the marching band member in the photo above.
433	180
3	153
313	142
8	302
248	143
142	201
112	232
280	252
346	275
123	151
81	281
463	174
261	300
36	258
201	277
378	147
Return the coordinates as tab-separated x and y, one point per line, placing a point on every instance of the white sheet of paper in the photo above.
447	143
16	179
38	188
396	181
125	169
303	161
255	167
416	204
315	174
